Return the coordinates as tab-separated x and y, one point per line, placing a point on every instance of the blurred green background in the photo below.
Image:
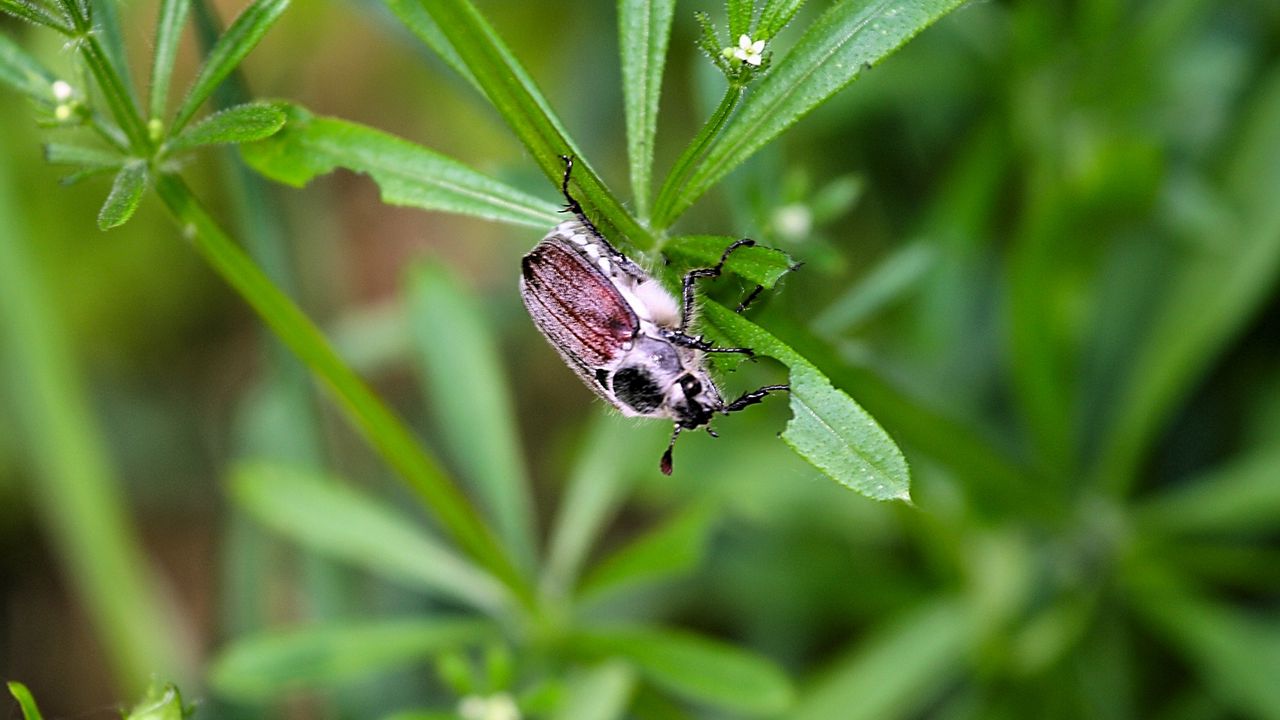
1042	245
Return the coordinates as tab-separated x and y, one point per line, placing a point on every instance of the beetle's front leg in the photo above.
686	312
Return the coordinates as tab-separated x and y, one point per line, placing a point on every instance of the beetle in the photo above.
624	335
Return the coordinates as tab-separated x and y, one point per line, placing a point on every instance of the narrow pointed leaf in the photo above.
240	38
263	666
644	30
238	124
23	73
472	402
1242	497
32	13
173	15
850	37
332	519
162	702
1228	278
1235	652
424	27
521	104
407	174
695	667
740	12
597	486
25	701
775	16
761	265
896	672
126	194
106	26
827	427
64	154
673	548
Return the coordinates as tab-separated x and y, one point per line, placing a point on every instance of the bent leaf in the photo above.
25	701
262	666
848	39
407	174
238	124
827	427
695	667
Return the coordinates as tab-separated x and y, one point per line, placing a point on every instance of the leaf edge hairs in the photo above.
621	332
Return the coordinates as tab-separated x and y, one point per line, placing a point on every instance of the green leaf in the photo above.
383	429
25	701
126	194
406	174
162	702
775	16
330	518
1242	497
472	403
264	666
34	13
895	277
517	99
739	12
237	124
695	667
897	672
64	154
597	485
644	31
1235	653
599	693
239	39
173	15
106	26
827	427
23	73
761	265
1214	293
850	37
421	24
673	548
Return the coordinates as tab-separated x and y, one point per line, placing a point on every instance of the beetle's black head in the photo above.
693	400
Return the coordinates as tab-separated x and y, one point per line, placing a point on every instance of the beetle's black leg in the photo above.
686	312
665	464
682	339
752	398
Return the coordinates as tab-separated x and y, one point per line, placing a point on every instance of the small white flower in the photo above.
61	90
749	52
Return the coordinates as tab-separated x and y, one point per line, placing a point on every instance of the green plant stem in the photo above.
384	430
688	159
113	90
514	96
73	485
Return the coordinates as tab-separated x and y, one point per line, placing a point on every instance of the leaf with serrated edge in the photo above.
848	38
644	30
827	427
238	124
407	174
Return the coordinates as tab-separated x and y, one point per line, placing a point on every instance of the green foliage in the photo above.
1040	254
407	174
27	703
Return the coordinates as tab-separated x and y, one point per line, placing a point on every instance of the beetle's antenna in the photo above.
665	464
